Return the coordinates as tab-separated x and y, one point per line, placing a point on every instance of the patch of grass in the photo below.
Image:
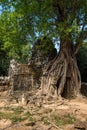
11	116
18	110
28	116
3	115
15	119
58	120
70	119
67	119
6	115
45	120
14	116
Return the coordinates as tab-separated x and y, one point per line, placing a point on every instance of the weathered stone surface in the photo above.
42	53
22	76
27	76
4	83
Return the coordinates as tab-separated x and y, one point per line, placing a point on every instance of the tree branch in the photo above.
81	37
73	2
79	44
61	10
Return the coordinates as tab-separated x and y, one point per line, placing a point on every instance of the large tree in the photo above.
60	19
68	19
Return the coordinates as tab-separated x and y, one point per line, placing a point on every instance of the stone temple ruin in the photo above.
21	76
25	77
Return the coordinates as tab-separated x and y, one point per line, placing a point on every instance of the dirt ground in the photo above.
41	113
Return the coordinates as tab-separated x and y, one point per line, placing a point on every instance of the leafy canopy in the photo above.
47	17
21	22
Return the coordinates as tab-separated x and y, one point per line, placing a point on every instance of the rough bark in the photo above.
62	74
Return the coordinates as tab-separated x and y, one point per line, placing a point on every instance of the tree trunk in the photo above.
62	74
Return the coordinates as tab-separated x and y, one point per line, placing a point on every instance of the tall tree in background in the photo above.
14	40
14	31
62	19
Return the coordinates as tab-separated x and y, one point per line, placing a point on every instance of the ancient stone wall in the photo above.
28	76
4	83
22	76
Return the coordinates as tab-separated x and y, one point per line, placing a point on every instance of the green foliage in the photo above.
59	121
21	22
70	119
28	116
45	45
18	110
24	19
14	41
45	120
4	64
63	120
14	115
4	61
